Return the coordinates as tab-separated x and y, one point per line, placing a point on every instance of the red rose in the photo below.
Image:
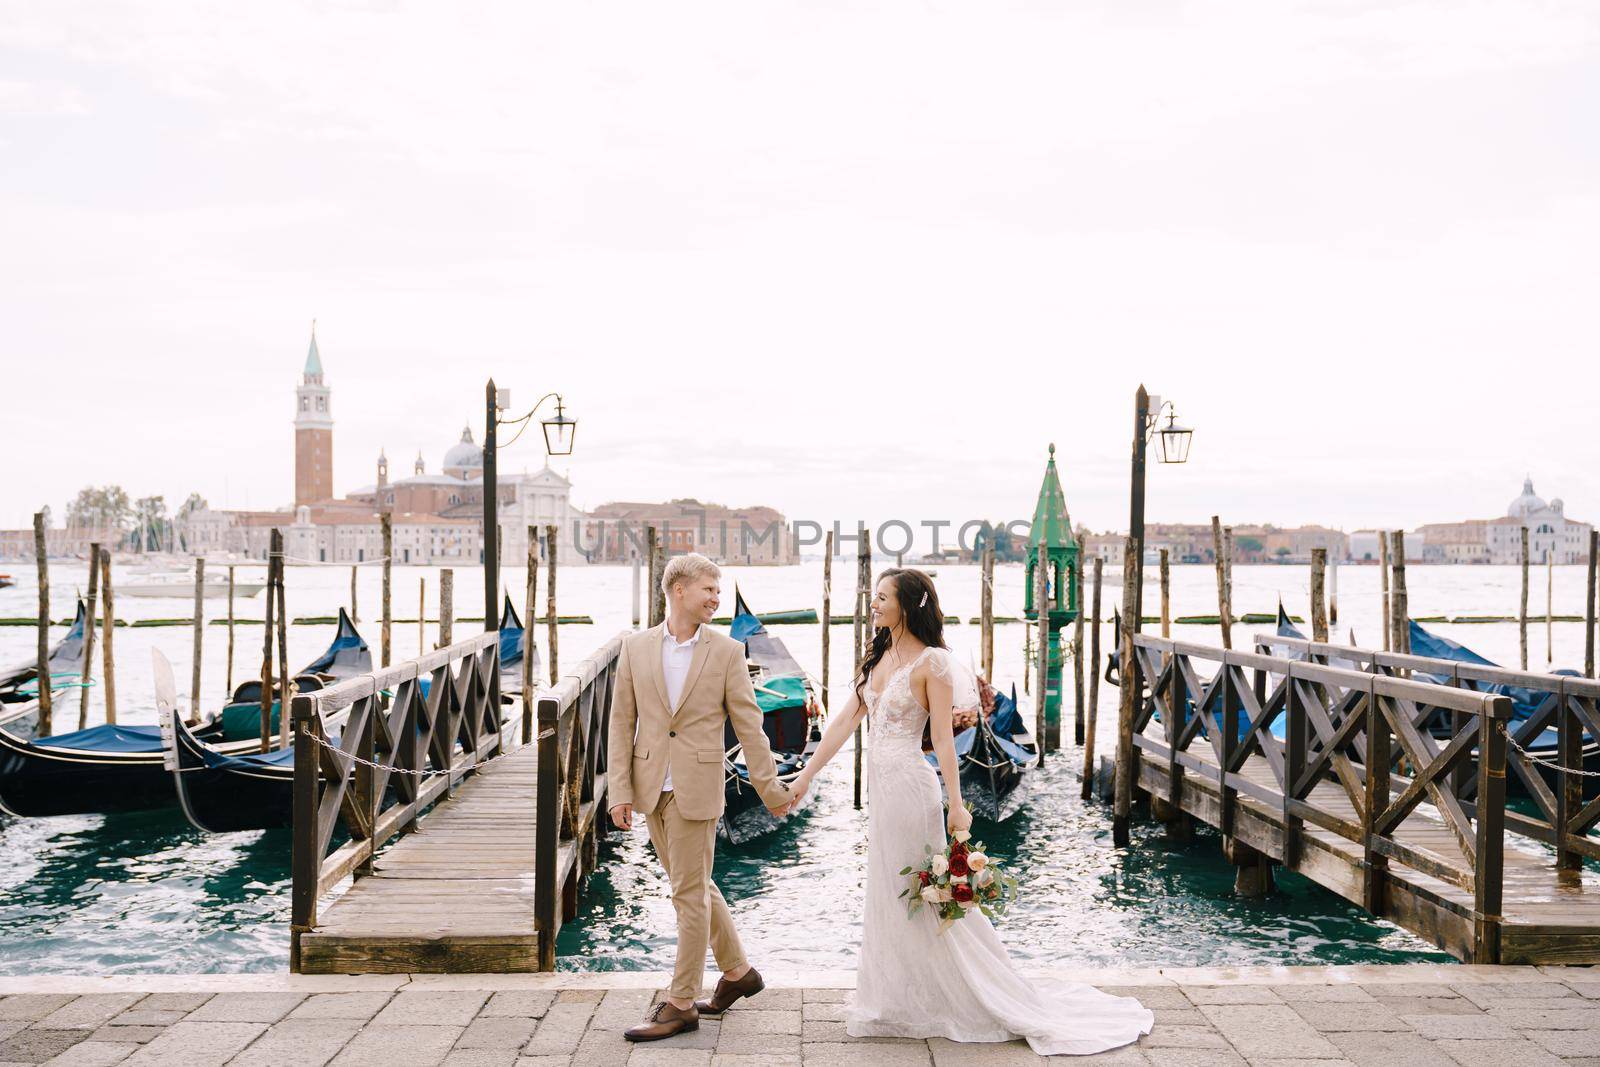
958	864
961	892
925	878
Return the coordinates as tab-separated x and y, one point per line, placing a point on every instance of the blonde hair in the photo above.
687	569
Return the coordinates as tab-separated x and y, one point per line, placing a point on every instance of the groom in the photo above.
677	684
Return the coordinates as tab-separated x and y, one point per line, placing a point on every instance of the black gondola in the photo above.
222	791
791	718
115	768
994	757
19	689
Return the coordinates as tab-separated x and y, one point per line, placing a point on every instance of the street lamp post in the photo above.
559	432
1175	441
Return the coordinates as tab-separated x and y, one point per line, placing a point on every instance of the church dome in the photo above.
464	455
1526	504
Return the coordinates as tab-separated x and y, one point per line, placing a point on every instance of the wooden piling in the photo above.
1224	611
530	608
1333	590
637	567
88	635
1402	607
1549	606
1094	686
275	547
1589	602
1077	656
355	616
550	595
1319	610
386	525
199	637
986	610
42	558
108	670
285	680
1383	581
1128	676
658	599
1042	666
1522	610
827	610
864	627
447	607
422	617
228	683
1166	596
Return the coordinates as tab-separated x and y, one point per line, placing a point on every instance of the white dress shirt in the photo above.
675	659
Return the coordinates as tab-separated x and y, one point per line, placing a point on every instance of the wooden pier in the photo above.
493	837
1426	842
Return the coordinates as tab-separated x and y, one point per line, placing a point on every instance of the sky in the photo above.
852	260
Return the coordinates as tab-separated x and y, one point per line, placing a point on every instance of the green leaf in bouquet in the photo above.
905	870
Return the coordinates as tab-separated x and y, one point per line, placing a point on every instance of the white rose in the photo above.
977	861
962	836
958	879
940	866
930	893
967	904
944	896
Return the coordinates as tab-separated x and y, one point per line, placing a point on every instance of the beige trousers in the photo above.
685	847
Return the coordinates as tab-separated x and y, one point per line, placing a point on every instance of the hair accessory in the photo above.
924	601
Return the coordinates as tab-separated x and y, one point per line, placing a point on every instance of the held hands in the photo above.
797	792
622	816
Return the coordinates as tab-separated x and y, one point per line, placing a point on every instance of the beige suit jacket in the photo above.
647	737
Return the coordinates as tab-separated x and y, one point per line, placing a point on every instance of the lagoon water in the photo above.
148	892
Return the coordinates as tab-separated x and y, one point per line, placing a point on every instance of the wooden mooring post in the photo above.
227	691
1219	548
986	610
1078	714
1522	609
199	637
827	611
386	525
1042	660
422	616
108	671
530	608
447	607
1128	688
1589	604
863	627
42	559
274	550
88	634
634	600
286	686
1383	581
550	597
1094	686
1166	596
654	541
355	614
1333	589
1549	606
1319	610
1402	604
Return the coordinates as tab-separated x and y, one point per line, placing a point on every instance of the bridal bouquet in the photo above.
957	880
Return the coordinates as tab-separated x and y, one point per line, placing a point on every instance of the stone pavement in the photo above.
1399	1016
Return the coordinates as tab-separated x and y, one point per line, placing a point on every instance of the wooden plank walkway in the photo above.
455	895
1550	916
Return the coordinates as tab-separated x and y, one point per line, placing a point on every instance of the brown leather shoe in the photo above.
664	1020
727	992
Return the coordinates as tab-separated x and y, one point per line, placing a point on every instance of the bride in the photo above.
914	981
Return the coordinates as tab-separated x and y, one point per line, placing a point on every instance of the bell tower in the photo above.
313	432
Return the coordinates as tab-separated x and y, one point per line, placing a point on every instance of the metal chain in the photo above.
1531	758
325	743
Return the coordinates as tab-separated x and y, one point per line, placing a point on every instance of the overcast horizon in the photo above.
847	260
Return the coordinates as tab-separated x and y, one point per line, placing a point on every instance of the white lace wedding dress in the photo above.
914	981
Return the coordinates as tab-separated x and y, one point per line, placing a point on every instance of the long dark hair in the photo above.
920	611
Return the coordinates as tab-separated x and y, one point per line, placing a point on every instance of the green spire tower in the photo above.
1050	540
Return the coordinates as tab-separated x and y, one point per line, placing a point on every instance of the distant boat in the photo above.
181	587
6	581
19	685
115	768
790	716
222	791
995	756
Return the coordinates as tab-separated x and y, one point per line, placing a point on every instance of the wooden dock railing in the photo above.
1557	786
450	730
1340	726
573	718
